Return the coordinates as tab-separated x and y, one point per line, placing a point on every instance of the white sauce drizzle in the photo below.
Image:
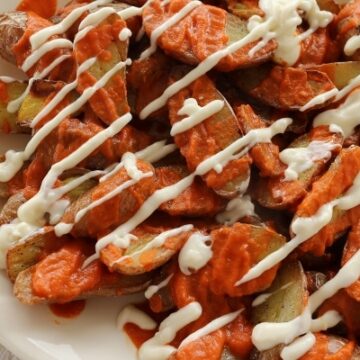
125	34
153	289
352	45
280	23
195	114
299	347
44	49
156	348
131	314
129	161
195	254
267	335
14	105
155	35
57	210
8	79
10	234
346	116
156	242
320	99
211	327
236	209
261	299
304	228
300	159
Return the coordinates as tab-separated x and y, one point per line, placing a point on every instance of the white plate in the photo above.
34	333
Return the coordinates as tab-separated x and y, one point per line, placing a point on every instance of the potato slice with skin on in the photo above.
219	29
31	250
244	9
98	221
288	299
110	102
340	73
196	200
265	156
141	257
16	28
9	211
118	285
275	193
285	88
9	92
210	136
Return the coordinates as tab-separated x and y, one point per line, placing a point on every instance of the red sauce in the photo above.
43	8
68	310
60	276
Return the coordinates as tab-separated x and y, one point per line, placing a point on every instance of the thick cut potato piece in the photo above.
9	92
210	136
285	88
9	211
340	73
110	102
29	251
120	286
288	299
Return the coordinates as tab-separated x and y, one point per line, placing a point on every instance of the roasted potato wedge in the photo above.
9	212
29	251
287	300
340	73
218	131
279	86
122	285
110	102
9	92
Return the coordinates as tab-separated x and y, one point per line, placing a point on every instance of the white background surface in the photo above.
34	333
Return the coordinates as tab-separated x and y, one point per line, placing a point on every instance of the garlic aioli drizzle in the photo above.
157	347
153	289
131	314
320	99
212	326
195	114
14	105
300	159
352	45
195	254
345	116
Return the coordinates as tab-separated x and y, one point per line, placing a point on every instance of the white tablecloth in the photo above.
5	355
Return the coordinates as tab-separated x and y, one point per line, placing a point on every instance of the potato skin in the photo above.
12	28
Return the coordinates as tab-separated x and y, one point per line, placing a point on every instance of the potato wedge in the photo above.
119	286
9	92
124	205
142	255
287	300
340	73
196	200
218	131
279	86
244	9
275	193
110	102
328	5
9	212
219	29
29	251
